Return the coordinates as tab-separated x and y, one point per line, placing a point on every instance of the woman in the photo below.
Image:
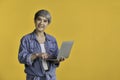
37	47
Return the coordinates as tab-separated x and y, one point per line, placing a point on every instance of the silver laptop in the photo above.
64	50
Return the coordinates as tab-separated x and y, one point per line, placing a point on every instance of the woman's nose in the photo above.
42	22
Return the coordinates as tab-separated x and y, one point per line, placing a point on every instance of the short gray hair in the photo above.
43	13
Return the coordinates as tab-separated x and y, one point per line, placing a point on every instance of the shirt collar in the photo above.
33	36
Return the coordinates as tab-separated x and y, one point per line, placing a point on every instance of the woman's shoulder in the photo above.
26	36
50	37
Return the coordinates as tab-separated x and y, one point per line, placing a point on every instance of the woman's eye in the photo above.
38	19
45	20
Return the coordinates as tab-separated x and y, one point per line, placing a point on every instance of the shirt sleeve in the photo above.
24	56
56	53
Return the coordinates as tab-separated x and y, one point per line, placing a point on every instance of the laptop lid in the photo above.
65	49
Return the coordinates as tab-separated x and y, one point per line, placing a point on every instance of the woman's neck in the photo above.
40	37
39	34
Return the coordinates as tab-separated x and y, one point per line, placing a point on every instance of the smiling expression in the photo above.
41	23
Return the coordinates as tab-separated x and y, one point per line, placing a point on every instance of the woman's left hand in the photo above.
61	59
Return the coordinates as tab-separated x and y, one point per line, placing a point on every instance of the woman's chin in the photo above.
40	30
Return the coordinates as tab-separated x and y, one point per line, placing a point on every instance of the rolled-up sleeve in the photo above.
24	56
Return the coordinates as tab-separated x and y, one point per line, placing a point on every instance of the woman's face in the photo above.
41	23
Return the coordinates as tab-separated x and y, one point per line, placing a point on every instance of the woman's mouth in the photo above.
40	26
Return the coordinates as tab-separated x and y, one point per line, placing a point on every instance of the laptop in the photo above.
64	50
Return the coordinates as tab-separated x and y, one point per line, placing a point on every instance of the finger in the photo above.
37	54
62	59
42	56
46	56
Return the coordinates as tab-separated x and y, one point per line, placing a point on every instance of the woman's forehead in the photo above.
42	17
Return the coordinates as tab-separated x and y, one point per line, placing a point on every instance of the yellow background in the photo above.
94	25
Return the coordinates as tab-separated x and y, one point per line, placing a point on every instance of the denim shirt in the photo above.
30	45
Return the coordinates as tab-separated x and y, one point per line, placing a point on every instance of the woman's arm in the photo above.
24	56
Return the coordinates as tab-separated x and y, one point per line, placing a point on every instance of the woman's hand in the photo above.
39	55
33	57
61	59
42	55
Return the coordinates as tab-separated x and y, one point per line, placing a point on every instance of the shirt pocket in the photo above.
51	46
33	50
34	47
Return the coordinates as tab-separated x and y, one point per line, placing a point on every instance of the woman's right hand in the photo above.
33	56
42	55
39	55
